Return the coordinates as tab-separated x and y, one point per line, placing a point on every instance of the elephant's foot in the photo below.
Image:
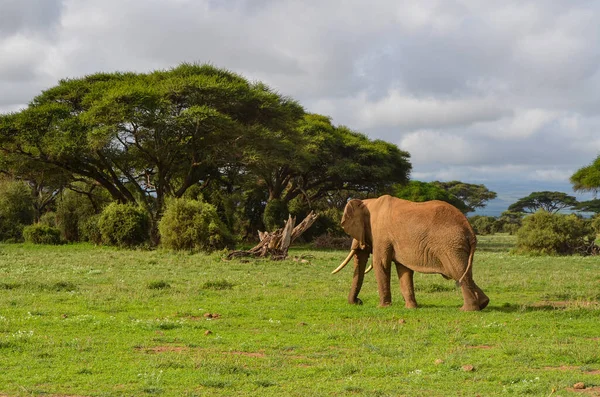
410	305
482	298
474	298
470	308
483	301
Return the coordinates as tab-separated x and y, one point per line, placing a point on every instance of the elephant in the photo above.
427	237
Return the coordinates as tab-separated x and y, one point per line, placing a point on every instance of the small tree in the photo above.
548	201
556	234
192	225
123	225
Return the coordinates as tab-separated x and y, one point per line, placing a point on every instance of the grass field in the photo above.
78	320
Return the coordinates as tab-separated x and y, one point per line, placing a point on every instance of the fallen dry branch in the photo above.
276	244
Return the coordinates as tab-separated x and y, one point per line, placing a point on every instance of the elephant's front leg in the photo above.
382	266
405	276
360	263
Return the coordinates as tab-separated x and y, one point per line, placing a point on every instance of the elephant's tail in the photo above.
473	244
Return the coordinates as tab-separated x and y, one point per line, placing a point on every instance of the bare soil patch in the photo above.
248	354
590	391
163	349
574	368
564	304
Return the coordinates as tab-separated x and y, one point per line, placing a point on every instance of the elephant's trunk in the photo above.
345	262
360	262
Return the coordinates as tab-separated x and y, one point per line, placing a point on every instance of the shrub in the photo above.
49	219
595	223
123	225
192	225
509	222
89	229
483	225
41	234
555	234
16	209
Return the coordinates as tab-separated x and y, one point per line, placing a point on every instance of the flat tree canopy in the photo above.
548	201
419	191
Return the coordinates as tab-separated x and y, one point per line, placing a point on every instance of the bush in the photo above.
595	223
41	234
555	234
123	225
49	219
16	209
483	225
192	225
89	229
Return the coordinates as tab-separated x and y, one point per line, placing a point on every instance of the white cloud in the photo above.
408	112
435	147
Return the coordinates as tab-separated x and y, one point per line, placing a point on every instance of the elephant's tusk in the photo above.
369	268
345	262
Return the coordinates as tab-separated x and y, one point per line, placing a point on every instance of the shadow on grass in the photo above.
504	308
520	308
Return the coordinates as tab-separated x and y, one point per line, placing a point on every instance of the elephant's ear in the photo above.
356	222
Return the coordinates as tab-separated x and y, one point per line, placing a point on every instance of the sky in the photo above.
504	93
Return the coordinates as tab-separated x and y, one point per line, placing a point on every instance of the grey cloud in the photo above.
517	83
26	16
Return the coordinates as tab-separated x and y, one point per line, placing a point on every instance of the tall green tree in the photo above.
144	137
472	195
549	201
321	158
419	191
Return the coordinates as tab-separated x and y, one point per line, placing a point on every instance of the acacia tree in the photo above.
473	196
320	158
589	206
419	191
587	179
549	201
146	136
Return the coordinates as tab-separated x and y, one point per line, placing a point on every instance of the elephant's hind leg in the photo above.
405	276
474	297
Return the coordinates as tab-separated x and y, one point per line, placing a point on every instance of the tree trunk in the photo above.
275	244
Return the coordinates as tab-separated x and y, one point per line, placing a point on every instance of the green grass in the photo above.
78	320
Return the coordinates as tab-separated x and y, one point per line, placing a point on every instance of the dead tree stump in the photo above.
275	244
